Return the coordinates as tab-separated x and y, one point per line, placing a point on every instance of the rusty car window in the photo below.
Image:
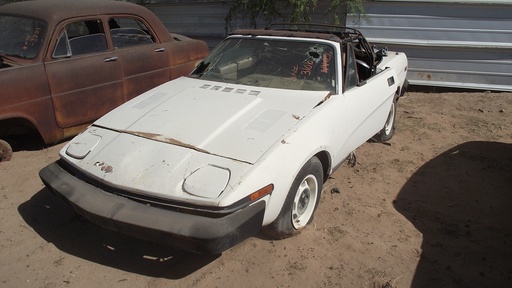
81	37
21	37
62	48
128	32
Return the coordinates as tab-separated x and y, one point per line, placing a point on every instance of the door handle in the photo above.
111	59
159	49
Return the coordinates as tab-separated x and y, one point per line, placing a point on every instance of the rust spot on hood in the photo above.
325	99
163	139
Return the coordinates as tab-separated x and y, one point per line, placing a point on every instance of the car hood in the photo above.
231	121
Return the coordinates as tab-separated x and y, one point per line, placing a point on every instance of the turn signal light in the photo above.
262	192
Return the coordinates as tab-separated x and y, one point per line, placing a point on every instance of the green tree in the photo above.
339	8
266	11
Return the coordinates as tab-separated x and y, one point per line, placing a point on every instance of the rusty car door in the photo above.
144	61
85	77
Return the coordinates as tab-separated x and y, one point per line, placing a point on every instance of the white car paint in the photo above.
183	136
252	121
216	118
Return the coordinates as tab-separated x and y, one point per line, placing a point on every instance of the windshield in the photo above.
20	37
264	62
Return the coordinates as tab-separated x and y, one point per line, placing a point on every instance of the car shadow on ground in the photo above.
57	223
461	201
26	142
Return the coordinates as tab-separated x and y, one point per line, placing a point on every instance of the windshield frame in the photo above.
303	56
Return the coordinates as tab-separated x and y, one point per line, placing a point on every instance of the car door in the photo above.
85	77
144	61
368	101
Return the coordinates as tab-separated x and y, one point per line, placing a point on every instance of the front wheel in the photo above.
388	130
5	151
301	202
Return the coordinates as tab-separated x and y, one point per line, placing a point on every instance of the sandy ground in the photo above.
430	209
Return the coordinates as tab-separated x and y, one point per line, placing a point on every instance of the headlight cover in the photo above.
82	144
207	182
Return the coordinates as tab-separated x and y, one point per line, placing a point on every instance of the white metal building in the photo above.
463	43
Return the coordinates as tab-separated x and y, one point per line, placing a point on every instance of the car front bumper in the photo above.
184	231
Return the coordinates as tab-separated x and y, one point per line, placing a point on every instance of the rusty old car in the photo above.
64	64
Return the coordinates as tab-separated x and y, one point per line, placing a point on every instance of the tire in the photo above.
388	130
5	151
301	202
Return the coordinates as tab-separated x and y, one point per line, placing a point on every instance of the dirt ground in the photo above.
432	208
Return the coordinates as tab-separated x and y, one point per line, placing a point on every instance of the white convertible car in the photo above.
244	143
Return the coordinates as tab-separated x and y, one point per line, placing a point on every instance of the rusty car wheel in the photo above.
5	151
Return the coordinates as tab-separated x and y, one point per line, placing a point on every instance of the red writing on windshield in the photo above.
326	58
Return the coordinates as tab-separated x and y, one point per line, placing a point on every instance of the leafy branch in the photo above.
255	11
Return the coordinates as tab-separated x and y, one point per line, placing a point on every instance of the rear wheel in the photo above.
388	130
301	202
5	151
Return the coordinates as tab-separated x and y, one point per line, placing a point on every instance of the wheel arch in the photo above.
400	91
17	126
282	225
325	159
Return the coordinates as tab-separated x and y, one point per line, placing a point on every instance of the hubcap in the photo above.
304	202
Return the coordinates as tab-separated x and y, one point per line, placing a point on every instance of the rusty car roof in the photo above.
54	11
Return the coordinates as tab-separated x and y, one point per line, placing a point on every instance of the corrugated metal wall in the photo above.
195	18
200	19
205	19
464	45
